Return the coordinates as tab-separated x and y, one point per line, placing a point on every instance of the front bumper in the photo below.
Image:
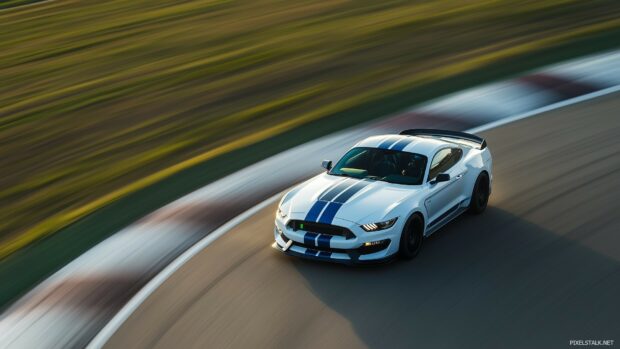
340	249
327	258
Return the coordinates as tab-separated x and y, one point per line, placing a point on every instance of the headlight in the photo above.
379	225
281	213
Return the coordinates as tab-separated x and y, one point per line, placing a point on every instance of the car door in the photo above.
444	197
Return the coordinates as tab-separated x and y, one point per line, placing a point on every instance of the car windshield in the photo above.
382	164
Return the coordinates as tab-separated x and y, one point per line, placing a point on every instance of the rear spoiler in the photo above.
429	132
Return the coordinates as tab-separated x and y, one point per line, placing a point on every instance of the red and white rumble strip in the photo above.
71	307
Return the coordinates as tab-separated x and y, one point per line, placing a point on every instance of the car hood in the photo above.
361	201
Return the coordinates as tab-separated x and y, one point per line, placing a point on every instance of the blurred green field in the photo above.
99	99
14	3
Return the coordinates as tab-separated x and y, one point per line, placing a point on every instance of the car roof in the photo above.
427	146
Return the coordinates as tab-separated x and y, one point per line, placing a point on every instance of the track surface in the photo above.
540	267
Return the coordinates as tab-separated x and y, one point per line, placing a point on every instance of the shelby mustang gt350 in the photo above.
384	196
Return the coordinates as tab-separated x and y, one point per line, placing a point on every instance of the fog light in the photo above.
374	246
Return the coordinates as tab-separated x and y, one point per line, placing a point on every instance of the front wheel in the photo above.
480	194
411	238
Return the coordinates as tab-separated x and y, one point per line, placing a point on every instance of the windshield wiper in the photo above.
382	179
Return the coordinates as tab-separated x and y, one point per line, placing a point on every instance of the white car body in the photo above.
330	204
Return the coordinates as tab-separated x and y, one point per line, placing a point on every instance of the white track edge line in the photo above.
115	323
550	107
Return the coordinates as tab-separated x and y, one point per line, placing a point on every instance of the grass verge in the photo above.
6	4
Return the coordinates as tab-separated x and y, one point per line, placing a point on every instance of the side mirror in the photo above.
326	164
442	177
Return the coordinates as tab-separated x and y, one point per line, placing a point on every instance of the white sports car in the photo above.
384	196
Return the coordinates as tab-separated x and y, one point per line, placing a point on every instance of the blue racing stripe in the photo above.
323	240
309	239
325	254
331	186
311	252
329	195
315	211
347	194
385	144
332	208
330	212
444	215
400	145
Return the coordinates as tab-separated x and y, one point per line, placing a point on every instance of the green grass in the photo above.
101	101
5	4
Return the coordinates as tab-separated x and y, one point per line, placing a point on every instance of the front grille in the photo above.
351	252
321	249
321	228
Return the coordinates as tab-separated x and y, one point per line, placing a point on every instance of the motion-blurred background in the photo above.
100	99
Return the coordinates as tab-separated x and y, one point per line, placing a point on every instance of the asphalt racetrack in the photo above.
539	268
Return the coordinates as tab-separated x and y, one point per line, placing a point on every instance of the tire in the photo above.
480	194
411	238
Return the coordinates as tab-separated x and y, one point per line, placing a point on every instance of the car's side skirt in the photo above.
448	216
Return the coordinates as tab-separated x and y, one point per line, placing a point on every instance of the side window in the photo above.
443	161
438	159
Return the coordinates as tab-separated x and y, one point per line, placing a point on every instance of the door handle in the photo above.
459	176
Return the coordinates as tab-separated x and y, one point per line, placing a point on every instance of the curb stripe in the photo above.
564	88
554	106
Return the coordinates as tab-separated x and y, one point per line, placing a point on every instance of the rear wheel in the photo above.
411	238
480	194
